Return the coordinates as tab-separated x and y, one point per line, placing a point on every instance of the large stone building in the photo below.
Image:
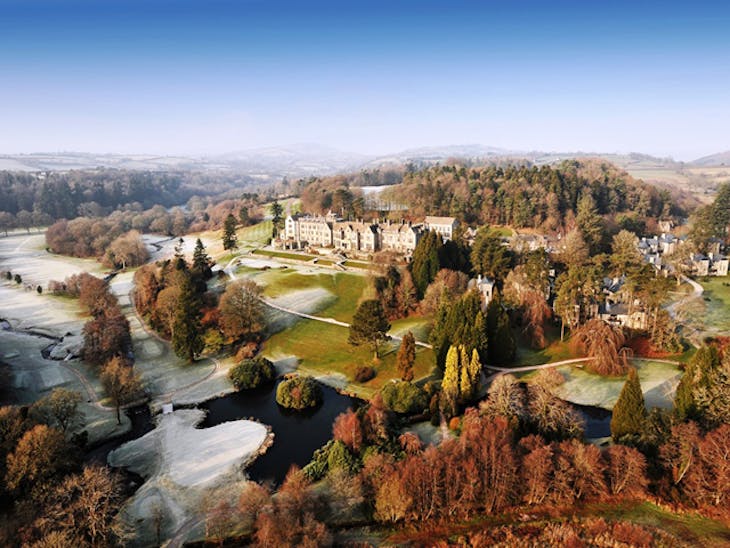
328	231
441	225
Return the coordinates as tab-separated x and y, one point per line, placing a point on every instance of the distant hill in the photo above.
719	159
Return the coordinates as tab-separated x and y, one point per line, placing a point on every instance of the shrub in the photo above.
299	393
404	397
18	279
364	373
8	275
252	373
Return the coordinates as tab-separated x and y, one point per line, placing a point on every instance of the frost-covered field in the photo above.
659	382
184	467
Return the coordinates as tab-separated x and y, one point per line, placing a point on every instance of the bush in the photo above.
299	393
364	373
252	373
404	397
18	279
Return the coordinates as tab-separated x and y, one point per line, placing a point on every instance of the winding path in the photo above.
293	312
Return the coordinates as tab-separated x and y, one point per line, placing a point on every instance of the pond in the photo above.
297	433
597	420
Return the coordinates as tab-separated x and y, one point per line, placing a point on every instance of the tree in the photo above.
60	407
369	325
252	373
299	393
84	506
488	256
230	240
128	250
404	397
277	217
625	254
589	222
242	312
425	264
121	384
471	369
629	412
187	338
501	348
348	430
602	342
406	356
41	453
451	381
202	263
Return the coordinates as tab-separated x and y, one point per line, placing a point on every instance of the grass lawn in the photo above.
658	382
692	528
258	234
556	350
348	289
322	349
283	255
717	302
419	326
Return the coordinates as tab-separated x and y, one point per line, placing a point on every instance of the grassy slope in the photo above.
717	315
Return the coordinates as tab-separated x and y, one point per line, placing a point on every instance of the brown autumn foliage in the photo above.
602	342
348	430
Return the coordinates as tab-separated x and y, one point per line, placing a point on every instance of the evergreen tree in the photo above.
201	261
629	413
230	240
369	325
488	256
440	335
589	222
450	382
470	372
425	264
406	356
243	216
501	341
187	340
277	212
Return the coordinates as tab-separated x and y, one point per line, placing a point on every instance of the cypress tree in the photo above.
450	382
629	413
501	341
406	356
425	264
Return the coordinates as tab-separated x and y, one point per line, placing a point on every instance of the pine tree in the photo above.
465	384
369	325
406	356
201	261
187	340
229	233
589	222
629	412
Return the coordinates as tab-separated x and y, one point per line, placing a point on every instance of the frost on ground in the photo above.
658	380
30	377
184	467
304	301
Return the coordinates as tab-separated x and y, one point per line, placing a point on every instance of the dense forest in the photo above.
521	196
93	193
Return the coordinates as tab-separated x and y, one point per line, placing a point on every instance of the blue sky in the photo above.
365	76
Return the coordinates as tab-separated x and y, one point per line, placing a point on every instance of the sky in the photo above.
213	76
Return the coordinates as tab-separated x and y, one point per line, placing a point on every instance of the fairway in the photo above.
322	349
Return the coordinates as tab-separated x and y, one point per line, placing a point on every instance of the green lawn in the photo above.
717	302
322	349
284	255
419	326
258	234
556	350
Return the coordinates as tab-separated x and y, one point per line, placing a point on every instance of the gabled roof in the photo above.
440	220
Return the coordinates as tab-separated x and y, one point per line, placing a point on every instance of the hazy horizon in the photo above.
373	78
